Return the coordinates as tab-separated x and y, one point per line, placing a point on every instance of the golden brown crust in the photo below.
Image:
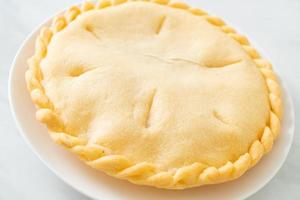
145	173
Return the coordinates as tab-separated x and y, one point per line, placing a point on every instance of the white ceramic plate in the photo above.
97	185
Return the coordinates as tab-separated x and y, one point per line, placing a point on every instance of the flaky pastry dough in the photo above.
138	131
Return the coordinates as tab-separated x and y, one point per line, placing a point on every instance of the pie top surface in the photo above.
155	84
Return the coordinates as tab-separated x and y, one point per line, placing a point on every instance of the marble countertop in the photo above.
274	24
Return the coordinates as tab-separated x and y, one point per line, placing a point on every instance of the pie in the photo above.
154	92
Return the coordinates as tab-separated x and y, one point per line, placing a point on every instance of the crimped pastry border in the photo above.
145	173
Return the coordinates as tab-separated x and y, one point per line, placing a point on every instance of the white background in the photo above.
273	24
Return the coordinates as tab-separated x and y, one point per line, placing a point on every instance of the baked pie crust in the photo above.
154	92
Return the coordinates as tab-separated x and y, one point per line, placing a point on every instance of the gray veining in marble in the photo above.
274	24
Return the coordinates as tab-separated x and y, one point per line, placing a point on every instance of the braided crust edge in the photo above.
145	173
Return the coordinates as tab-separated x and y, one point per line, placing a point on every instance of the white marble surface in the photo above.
274	24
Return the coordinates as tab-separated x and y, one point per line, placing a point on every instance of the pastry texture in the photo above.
154	92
